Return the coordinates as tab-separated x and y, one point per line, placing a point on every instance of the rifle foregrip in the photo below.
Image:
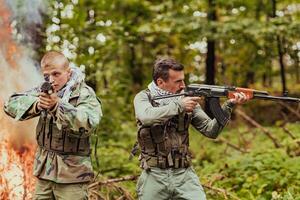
217	111
248	92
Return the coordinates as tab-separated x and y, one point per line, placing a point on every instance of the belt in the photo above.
167	162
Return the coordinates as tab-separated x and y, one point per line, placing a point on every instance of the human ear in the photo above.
69	71
160	82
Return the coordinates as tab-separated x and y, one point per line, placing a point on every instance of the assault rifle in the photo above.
214	92
47	88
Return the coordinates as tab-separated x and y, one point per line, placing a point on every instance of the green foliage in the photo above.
263	173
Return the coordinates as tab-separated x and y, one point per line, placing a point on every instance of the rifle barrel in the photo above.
274	98
218	91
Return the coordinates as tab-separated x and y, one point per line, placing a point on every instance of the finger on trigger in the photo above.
195	98
42	94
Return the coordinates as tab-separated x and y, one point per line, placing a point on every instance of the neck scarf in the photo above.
77	77
156	91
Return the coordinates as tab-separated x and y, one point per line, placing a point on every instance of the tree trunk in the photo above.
280	52
210	63
135	70
210	56
282	67
297	65
250	76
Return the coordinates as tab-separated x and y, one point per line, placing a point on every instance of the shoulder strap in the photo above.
153	103
148	94
135	147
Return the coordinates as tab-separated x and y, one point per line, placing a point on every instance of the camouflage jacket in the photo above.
50	165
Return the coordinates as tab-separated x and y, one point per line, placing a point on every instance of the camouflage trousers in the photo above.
60	191
170	184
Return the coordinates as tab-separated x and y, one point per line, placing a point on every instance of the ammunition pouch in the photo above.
64	141
165	145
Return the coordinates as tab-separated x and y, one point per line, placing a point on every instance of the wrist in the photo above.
36	108
54	108
230	103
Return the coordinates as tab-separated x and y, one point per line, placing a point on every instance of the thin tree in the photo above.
280	51
211	58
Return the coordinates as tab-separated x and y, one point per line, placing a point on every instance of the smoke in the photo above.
29	10
19	22
18	71
26	18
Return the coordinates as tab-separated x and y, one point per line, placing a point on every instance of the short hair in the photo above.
162	66
54	58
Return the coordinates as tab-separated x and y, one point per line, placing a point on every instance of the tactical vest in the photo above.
63	142
165	145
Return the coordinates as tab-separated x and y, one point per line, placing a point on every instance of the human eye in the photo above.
46	77
56	74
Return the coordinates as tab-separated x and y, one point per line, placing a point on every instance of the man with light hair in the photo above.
67	117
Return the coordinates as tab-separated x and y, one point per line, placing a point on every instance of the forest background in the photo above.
251	43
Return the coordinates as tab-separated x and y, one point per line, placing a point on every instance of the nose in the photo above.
182	85
51	80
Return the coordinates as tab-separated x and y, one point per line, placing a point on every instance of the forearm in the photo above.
21	106
85	116
227	107
207	126
148	114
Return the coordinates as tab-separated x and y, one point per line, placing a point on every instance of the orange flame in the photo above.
7	43
16	180
16	148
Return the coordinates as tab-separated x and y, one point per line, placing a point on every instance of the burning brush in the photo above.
17	146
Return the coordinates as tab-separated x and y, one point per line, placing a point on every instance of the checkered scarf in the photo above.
77	77
156	91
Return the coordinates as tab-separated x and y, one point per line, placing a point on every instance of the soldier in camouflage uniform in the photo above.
67	117
164	138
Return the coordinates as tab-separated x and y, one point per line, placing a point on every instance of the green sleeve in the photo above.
147	114
207	126
19	106
85	115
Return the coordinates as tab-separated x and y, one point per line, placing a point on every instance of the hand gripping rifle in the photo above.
47	88
214	92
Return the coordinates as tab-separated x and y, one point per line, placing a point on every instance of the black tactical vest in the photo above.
65	141
165	145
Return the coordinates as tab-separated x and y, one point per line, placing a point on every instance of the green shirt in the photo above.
148	115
